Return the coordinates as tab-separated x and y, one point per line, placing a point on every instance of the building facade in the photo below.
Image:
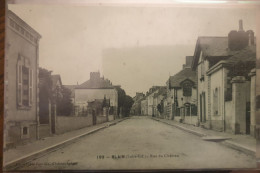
136	108
182	93
95	88
150	99
158	105
21	81
224	66
144	106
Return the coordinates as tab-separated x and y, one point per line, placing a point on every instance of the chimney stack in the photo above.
240	25
188	61
237	40
94	76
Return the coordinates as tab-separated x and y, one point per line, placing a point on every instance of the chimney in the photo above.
238	40
188	61
94	76
240	25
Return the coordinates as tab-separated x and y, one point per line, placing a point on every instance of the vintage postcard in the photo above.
131	86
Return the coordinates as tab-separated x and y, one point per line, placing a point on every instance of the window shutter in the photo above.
19	84
30	87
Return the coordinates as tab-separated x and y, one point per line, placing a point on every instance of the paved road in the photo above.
144	144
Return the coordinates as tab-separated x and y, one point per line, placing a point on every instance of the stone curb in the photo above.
239	147
183	128
14	164
227	143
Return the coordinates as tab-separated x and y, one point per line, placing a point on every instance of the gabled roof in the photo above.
187	73
210	46
55	78
214	47
99	83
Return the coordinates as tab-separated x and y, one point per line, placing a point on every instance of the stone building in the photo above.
158	102
182	94
225	81
136	107
21	81
95	88
144	106
150	95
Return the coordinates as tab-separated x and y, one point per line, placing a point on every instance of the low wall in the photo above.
177	118
44	130
110	117
68	123
216	125
101	119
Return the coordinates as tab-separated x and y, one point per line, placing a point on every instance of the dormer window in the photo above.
187	88
24	82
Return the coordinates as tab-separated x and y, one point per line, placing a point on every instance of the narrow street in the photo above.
142	143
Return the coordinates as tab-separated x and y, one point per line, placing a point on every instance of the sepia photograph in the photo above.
130	86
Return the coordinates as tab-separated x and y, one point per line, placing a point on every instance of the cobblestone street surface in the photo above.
142	143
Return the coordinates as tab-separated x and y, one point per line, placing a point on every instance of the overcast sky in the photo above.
135	47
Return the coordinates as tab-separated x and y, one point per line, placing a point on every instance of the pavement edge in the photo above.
22	161
227	143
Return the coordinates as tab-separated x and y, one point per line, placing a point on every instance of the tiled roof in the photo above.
246	54
97	83
184	74
212	47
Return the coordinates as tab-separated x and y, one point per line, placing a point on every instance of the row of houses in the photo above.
32	94
215	88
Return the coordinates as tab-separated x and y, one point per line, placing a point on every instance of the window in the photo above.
187	89
25	132
24	83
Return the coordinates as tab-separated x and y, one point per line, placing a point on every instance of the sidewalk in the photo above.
20	154
244	143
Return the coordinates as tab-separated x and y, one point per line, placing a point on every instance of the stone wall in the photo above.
68	123
110	117
101	119
191	120
44	130
15	136
216	125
